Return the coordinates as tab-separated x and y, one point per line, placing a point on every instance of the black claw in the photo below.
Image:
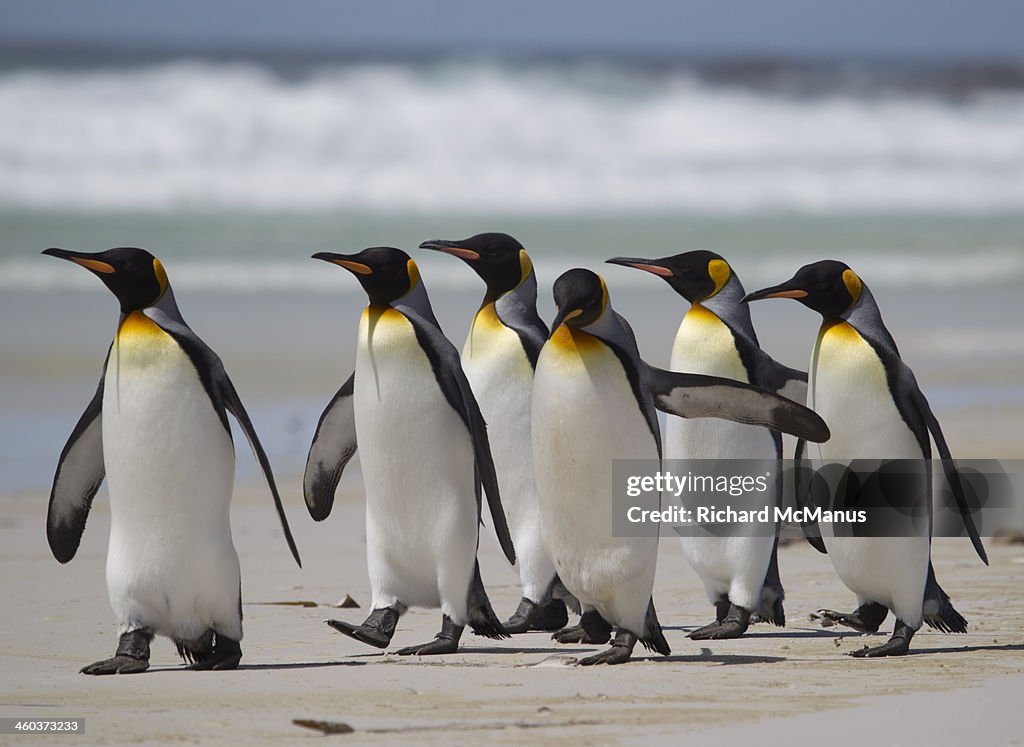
522	618
592	629
225	655
898	645
132	655
445	642
733	625
619	653
117	665
552	616
865	619
377	630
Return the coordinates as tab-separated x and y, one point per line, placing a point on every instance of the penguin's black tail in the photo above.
654	639
939	612
772	594
771	609
482	619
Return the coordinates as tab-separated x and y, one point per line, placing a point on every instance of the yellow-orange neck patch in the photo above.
853	285
566	339
525	266
719	272
161	277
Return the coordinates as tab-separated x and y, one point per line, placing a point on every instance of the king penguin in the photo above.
157	429
862	387
594	402
425	458
716	336
499	358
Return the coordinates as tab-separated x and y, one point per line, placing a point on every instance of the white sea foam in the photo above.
491	138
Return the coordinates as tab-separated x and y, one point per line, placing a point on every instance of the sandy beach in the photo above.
774	686
233	171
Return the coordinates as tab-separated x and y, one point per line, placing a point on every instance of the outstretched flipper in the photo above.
698	396
447	367
80	472
334	444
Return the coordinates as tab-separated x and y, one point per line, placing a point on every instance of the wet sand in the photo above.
792	685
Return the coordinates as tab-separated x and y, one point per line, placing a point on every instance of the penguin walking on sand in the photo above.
716	337
594	402
157	429
871	399
499	358
425	458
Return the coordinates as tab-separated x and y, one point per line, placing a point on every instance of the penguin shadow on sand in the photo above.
966	649
269	667
789	632
708	656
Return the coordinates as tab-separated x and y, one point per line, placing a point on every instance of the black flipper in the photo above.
224	399
333	445
699	396
952	475
234	405
810	528
917	413
447	368
80	471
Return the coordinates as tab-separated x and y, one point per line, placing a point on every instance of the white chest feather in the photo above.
168	457
415	451
705	345
849	388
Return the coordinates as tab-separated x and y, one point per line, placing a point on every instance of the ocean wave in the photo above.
492	138
878	268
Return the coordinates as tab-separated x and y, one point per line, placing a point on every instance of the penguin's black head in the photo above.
828	287
695	276
135	276
497	258
385	273
581	298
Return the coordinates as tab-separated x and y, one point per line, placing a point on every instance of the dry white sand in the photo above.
792	685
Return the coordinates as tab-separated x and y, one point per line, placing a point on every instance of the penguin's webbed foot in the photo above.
898	645
865	619
522	618
445	642
225	655
117	665
619	653
592	629
530	616
377	630
552	616
132	656
733	625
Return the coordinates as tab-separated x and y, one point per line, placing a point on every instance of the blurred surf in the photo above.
476	136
